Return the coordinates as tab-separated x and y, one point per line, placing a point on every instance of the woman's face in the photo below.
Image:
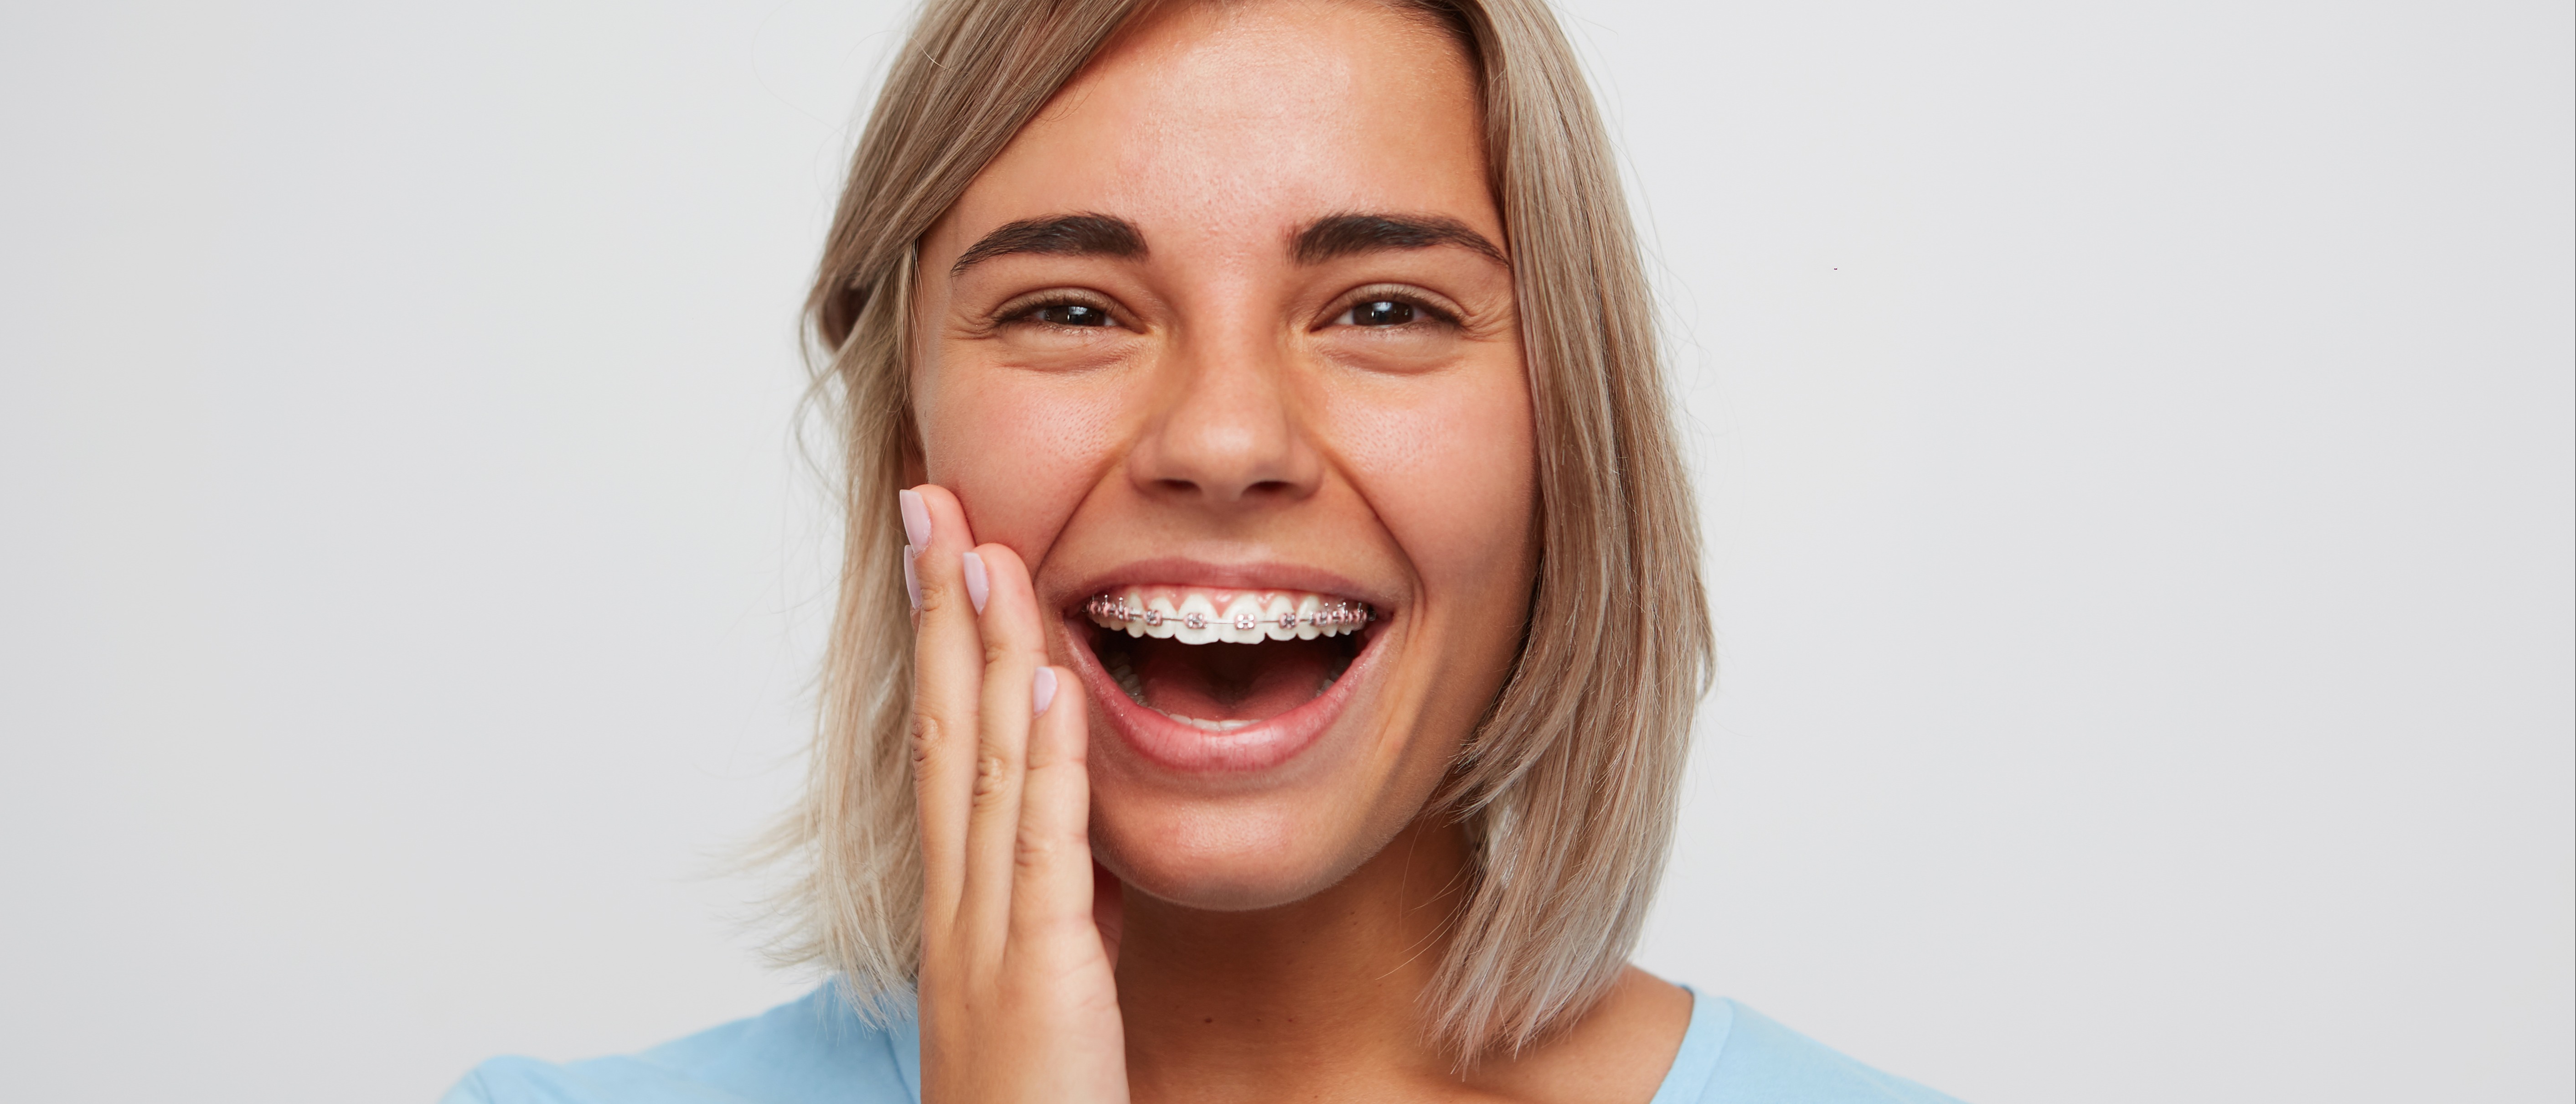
1226	331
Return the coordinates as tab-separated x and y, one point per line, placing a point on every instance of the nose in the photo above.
1225	433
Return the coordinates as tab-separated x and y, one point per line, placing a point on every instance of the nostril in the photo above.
1267	488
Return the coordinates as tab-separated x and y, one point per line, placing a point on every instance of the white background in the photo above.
2134	439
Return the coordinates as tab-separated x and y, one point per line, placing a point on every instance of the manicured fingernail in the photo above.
911	578
1043	688
916	518
977	587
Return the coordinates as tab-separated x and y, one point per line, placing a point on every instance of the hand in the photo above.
1018	998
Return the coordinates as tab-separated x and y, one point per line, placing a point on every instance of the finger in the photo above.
1014	649
1108	910
1052	890
948	673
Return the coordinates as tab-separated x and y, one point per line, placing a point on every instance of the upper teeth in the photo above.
1247	618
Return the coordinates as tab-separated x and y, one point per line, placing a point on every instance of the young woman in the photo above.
1272	618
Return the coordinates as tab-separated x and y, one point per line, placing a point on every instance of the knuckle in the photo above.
1034	851
1068	755
996	650
936	593
926	731
1037	850
991	773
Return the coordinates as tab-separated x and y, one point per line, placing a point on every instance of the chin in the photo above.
1225	857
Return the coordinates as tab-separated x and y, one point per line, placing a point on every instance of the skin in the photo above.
1246	934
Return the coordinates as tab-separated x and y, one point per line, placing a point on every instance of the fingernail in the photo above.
977	587
916	518
911	578
1043	688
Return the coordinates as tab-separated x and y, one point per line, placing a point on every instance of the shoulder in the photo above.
1734	1054
804	1052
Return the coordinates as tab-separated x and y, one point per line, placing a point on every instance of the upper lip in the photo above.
1260	575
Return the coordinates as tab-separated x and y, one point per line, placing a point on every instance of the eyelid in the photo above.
1017	308
1438	306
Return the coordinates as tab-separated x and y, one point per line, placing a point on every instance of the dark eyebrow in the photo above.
1103	235
1344	235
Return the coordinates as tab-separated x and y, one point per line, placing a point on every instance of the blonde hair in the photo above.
1567	788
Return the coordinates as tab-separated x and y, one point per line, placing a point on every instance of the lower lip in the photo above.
1255	747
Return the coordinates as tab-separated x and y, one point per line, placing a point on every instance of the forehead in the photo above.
1236	123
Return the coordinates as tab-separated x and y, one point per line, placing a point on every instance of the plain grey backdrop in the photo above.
2134	443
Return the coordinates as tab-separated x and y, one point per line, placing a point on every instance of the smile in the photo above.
1223	678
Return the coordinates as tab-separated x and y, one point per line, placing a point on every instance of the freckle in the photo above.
1210	1019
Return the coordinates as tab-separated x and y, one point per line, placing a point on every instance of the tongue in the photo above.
1232	682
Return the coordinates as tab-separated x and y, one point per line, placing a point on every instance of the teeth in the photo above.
1198	621
1247	618
1191	617
1127	680
1240	621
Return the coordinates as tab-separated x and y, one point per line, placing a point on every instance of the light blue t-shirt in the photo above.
817	1051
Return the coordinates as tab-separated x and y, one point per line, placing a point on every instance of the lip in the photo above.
1255	747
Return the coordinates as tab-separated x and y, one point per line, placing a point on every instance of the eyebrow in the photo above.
1351	234
1094	234
1325	239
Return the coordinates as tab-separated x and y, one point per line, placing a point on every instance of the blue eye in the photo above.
1378	312
1071	314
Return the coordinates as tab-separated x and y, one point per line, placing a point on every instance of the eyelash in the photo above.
1392	294
1025	312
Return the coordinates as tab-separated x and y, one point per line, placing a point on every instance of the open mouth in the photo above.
1219	660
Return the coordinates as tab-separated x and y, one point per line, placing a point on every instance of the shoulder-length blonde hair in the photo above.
1568	787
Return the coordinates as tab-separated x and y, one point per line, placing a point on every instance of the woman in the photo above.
1299	619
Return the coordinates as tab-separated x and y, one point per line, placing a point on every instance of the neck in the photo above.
1313	1000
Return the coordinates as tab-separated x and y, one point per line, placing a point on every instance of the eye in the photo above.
1393	309
1378	312
1056	310
1069	314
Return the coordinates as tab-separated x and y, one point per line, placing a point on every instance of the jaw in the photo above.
1207	927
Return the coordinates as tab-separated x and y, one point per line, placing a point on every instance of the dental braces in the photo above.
1333	616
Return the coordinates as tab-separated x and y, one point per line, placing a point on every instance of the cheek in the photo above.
1019	449
1451	473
